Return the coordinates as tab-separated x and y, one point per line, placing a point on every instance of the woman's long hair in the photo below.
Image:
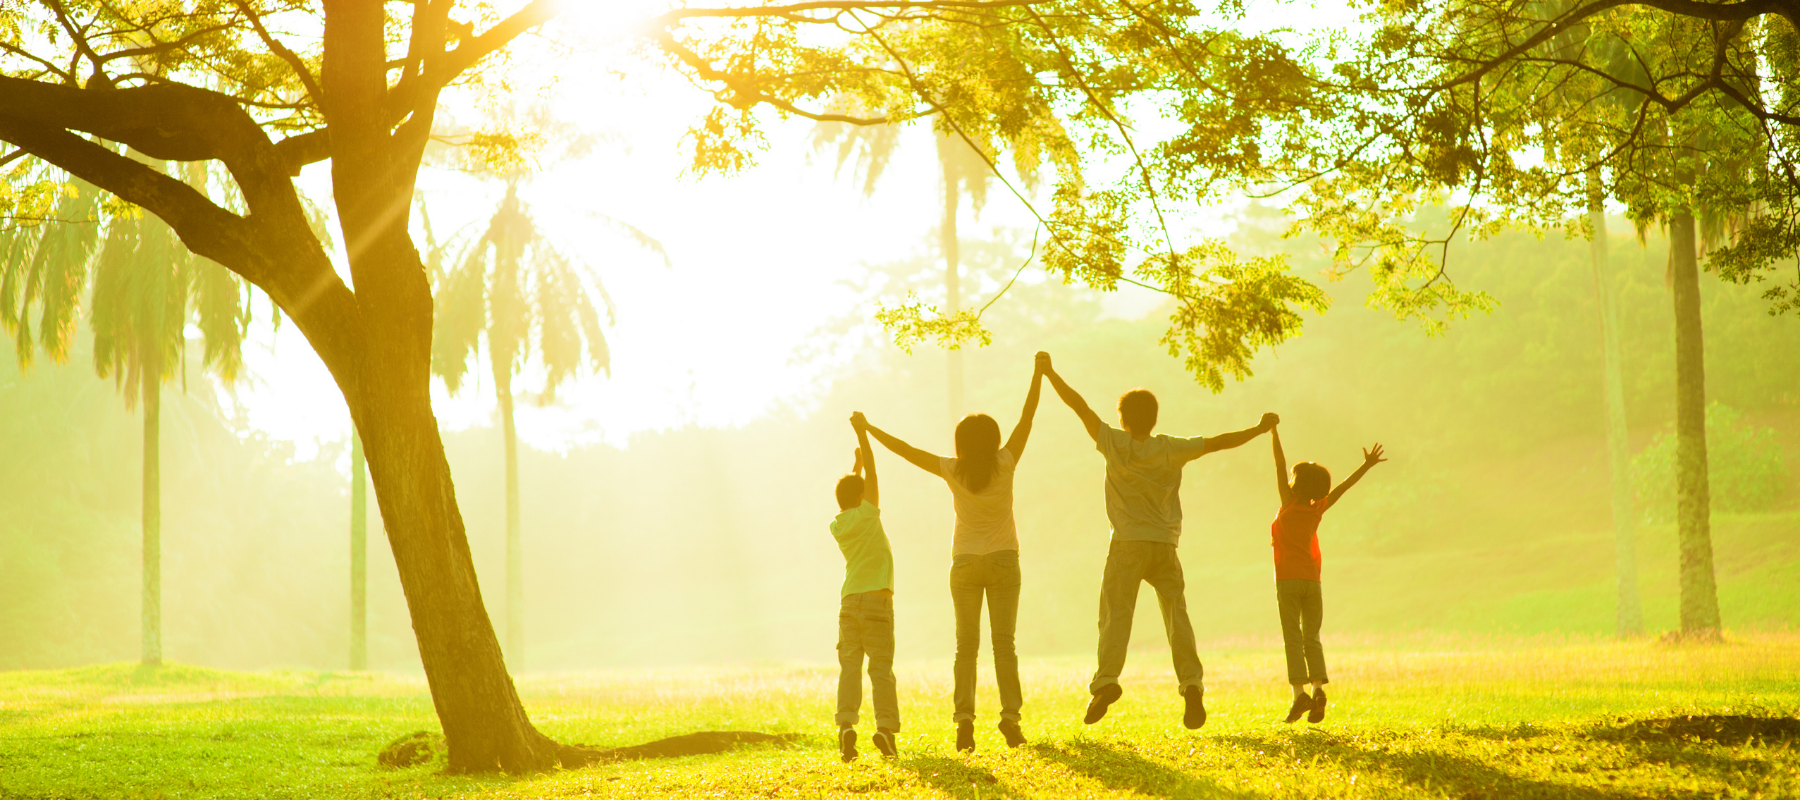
977	450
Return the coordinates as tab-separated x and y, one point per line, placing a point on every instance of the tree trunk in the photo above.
952	278
152	601
1699	593
1629	618
359	556
515	566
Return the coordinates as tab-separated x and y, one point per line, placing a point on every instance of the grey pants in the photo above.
995	575
1129	563
866	627
1302	608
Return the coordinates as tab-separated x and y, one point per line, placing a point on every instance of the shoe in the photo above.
1014	736
1195	715
1318	706
1107	695
847	744
884	741
1303	703
965	735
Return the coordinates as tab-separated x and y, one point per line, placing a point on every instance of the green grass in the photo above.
1411	717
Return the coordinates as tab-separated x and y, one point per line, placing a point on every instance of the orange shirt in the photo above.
1295	537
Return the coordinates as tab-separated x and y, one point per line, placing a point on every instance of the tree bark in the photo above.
515	569
1629	616
151	386
952	248
359	555
1693	505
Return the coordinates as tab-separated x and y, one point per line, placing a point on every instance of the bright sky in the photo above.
758	260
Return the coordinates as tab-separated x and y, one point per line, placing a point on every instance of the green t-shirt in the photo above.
1143	483
868	561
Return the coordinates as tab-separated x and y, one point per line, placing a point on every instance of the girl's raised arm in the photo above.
918	458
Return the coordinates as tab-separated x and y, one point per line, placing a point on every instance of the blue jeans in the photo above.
995	576
866	628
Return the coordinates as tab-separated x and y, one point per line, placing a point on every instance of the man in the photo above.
1143	503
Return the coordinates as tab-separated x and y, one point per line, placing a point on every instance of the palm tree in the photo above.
963	171
147	288
517	291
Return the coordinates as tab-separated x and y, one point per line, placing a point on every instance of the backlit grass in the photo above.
1410	717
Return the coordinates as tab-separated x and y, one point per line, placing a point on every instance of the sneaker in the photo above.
1014	736
1107	695
1303	703
1318	706
965	735
847	744
1195	715
884	741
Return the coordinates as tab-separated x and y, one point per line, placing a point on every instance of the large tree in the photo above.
266	87
1528	114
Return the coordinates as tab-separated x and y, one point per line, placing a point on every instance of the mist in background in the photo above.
703	544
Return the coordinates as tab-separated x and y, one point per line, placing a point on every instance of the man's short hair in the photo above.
1311	481
1137	410
849	491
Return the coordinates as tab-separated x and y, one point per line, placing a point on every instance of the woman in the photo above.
984	551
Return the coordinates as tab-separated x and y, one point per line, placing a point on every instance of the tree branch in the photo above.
293	59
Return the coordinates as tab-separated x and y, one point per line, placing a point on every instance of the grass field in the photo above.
1410	717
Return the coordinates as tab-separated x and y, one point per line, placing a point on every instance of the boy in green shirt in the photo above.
866	615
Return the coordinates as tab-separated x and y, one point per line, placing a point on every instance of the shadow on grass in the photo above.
1118	767
957	778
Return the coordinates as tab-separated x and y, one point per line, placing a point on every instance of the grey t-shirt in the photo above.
1143	483
984	519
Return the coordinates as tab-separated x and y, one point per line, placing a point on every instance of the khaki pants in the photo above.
995	576
1129	563
866	628
1302	609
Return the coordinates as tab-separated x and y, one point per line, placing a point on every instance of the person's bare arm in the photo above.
1371	457
1089	419
918	458
1015	444
865	461
1227	441
1281	469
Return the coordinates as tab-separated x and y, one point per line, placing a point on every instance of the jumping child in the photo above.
866	615
1295	537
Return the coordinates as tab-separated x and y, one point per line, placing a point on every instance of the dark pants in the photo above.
866	628
1302	608
1128	564
996	576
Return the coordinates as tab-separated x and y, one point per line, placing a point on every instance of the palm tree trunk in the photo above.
515	560
952	279
359	555
152	601
1629	617
1693	504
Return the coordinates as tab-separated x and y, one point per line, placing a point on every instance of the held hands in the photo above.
1372	456
858	422
1042	366
1269	421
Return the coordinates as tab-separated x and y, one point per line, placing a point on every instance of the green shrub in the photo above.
1743	464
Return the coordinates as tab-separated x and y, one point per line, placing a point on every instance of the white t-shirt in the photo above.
984	519
1143	483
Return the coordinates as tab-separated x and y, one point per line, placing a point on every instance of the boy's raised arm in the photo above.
1015	444
918	458
1226	441
1089	419
1371	457
1281	471
865	461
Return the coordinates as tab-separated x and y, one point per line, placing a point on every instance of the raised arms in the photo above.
918	458
1021	432
1226	441
1281	470
865	461
1089	419
1371	457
